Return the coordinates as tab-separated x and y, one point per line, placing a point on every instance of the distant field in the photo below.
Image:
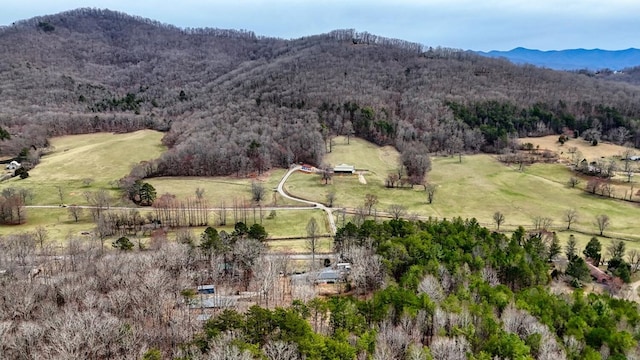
477	187
103	157
225	189
589	152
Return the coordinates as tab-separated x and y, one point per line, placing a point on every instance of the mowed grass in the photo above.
102	157
285	224
476	188
481	185
227	189
56	221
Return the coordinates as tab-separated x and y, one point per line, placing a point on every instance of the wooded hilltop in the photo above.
232	102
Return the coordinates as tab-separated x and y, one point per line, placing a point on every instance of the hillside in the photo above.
572	59
232	102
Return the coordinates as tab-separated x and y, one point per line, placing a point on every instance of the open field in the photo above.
377	161
55	221
286	223
591	153
102	157
225	189
477	187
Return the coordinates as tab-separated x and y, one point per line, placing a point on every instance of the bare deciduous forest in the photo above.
232	102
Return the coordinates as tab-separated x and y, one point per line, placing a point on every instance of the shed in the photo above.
344	169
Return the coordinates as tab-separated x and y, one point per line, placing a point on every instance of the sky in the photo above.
480	25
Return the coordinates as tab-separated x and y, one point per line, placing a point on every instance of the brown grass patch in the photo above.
589	152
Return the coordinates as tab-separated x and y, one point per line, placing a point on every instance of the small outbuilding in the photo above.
344	169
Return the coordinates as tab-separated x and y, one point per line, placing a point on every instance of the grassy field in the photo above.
589	152
223	189
103	157
477	187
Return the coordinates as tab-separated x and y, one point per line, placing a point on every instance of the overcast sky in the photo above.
463	24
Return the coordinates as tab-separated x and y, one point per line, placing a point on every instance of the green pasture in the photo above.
477	187
377	161
56	221
219	190
286	223
102	157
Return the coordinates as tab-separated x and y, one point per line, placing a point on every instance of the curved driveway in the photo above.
332	222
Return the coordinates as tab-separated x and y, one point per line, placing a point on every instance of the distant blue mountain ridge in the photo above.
574	59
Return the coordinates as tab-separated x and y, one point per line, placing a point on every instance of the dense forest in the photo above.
232	102
435	289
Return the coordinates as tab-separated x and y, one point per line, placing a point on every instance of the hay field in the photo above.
589	152
102	157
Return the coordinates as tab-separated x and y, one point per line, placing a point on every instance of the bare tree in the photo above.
397	211
41	235
21	247
367	269
616	249
370	200
75	212
327	173
280	350
634	260
570	216
331	198
430	285
431	192
360	213
603	222
628	167
99	201
574	181
257	192
312	240
498	218
60	194
443	348
199	193
541	223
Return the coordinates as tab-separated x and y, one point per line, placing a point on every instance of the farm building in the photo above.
344	169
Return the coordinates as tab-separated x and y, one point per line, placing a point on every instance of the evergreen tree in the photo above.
592	251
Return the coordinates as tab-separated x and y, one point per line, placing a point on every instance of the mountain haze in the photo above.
574	59
232	102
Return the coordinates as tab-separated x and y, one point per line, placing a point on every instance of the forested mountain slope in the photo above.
233	102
